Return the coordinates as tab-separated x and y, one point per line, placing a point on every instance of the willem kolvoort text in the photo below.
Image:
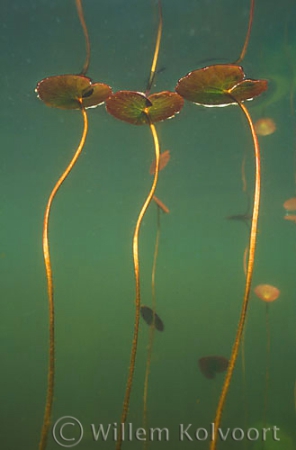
186	432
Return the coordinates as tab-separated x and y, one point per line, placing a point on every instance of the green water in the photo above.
199	278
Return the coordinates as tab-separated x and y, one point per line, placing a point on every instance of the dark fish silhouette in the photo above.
246	217
242	218
147	315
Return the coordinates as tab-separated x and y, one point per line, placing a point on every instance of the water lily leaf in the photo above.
128	106
71	91
219	85
165	105
100	93
248	89
138	109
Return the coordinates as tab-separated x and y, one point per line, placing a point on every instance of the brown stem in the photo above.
156	51
246	43
152	328
250	268
137	284
267	364
86	36
50	290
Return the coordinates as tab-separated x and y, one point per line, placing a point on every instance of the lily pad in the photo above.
248	89
219	85
100	93
71	92
138	109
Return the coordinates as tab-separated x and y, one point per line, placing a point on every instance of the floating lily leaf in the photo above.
137	109
219	85
128	106
71	91
248	89
100	93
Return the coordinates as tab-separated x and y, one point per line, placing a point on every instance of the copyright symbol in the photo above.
67	431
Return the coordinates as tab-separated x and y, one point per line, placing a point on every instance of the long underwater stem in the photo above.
156	51
152	328
246	43
86	37
250	268
50	290
267	363
137	286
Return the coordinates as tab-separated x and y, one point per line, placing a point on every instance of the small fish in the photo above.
210	61
242	218
246	217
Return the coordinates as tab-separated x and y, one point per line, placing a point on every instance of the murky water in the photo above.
199	276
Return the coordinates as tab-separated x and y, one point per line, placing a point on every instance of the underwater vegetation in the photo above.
216	85
146	152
